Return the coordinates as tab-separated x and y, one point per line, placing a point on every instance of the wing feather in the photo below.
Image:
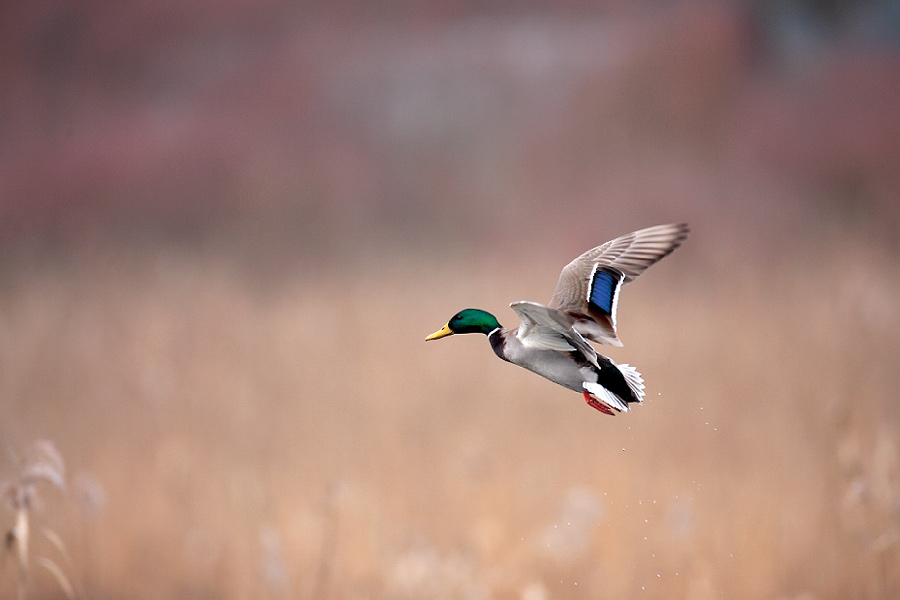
630	255
547	329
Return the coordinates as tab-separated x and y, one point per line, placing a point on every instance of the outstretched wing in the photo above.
543	328
588	287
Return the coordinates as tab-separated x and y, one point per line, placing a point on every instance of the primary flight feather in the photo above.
552	340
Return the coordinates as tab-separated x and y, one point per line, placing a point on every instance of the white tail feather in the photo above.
634	380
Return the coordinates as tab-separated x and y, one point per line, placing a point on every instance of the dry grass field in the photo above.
227	437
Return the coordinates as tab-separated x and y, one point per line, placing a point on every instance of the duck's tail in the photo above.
617	386
634	381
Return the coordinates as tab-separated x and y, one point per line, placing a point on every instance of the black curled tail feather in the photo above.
622	380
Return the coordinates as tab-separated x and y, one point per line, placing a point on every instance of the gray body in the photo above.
565	368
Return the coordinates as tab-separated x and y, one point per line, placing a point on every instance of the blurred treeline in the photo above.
275	131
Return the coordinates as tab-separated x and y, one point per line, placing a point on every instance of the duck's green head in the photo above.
470	320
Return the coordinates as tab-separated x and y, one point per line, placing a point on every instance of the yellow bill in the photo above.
442	332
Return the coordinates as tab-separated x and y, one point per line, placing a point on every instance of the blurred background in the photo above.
225	231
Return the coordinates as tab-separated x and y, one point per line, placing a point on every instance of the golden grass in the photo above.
298	438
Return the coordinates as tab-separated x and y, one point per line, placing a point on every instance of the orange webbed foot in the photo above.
594	403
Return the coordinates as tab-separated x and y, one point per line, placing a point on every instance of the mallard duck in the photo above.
552	341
